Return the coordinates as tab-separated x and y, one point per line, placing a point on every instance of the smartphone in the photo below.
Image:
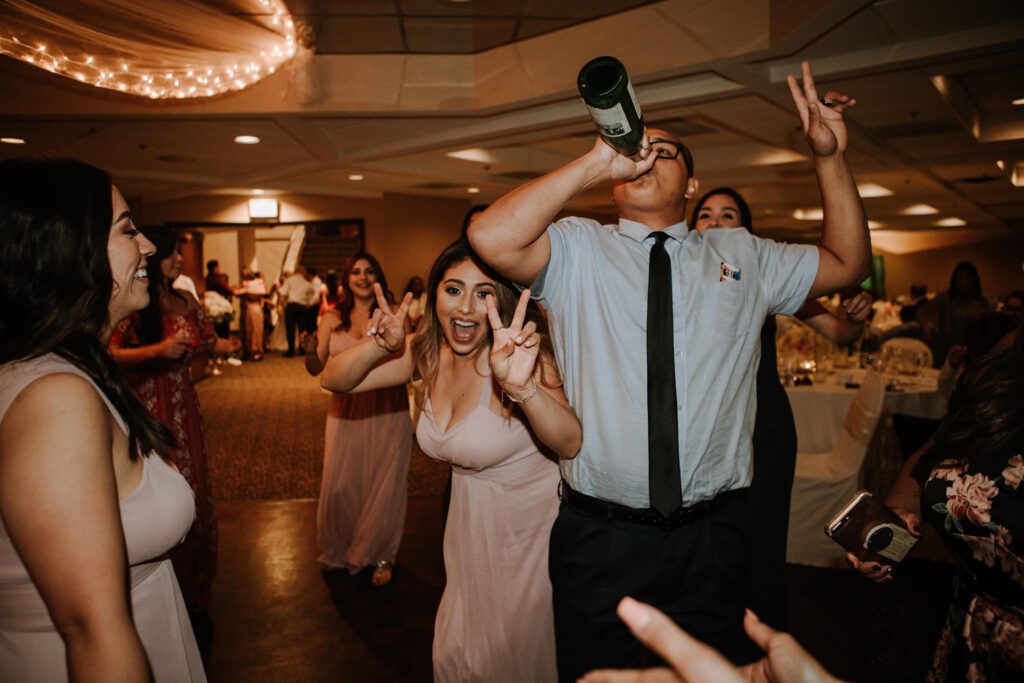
871	530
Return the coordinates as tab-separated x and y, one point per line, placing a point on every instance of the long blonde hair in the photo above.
426	347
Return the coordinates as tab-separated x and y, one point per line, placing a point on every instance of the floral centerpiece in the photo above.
218	309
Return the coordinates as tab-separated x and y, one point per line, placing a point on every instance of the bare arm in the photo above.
844	255
511	234
531	381
317	347
59	503
845	328
365	366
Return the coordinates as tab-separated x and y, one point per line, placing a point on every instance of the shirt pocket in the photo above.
724	308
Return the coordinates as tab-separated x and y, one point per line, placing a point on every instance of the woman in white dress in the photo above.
367	444
88	507
491	397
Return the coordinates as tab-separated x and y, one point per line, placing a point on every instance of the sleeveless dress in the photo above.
367	444
155	517
495	621
978	510
170	396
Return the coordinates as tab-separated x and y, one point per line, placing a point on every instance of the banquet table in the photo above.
820	410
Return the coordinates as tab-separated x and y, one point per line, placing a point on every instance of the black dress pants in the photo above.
294	319
694	573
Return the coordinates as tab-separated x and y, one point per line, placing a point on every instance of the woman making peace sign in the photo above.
491	397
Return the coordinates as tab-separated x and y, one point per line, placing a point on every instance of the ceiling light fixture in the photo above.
952	222
264	208
140	53
874	225
477	154
808	214
1019	101
919	210
868	190
12	141
473	190
356	176
247	139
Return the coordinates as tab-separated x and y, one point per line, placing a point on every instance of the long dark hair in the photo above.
426	348
56	283
746	220
348	299
151	318
986	410
972	272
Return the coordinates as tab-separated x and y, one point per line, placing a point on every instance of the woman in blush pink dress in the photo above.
491	397
88	506
156	347
367	444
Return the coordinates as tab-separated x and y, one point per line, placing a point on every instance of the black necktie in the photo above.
662	422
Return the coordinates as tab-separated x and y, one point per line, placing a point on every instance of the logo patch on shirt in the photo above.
728	272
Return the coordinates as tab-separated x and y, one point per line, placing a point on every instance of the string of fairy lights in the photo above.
189	79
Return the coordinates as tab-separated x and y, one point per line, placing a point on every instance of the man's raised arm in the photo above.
845	248
511	234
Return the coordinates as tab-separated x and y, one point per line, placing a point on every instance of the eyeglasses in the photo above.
667	149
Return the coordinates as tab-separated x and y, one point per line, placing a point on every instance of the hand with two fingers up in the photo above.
388	324
514	350
822	117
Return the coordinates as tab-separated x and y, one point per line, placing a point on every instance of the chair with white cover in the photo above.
825	482
910	346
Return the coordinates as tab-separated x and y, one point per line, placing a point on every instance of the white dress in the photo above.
363	494
155	517
495	621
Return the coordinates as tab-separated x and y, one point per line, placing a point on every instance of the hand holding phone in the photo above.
871	531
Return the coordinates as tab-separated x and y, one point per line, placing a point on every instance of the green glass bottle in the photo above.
608	95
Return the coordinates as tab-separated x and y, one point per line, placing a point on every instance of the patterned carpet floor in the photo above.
265	431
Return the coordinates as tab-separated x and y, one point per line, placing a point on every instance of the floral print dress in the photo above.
166	390
978	509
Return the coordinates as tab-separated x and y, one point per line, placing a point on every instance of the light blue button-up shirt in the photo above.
724	283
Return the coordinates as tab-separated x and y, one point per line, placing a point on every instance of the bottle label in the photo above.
611	122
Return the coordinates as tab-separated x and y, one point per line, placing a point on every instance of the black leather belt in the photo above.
622	513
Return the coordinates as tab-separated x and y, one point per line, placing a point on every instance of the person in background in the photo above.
968	483
656	330
491	396
774	437
947	318
252	292
295	293
314	303
367	442
418	304
156	347
1013	304
217	281
332	292
88	505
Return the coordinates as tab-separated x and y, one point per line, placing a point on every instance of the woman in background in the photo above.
968	482
156	347
774	438
948	318
490	396
88	506
367	442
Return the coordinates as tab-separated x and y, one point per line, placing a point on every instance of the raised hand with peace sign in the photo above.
387	325
514	350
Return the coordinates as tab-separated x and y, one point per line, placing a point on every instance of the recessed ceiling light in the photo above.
874	225
868	190
952	222
355	176
12	141
258	191
474	154
919	210
473	190
808	214
1019	101
247	140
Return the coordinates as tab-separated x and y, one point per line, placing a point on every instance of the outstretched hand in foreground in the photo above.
515	348
387	325
694	662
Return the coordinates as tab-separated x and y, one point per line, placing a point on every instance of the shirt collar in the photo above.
639	231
